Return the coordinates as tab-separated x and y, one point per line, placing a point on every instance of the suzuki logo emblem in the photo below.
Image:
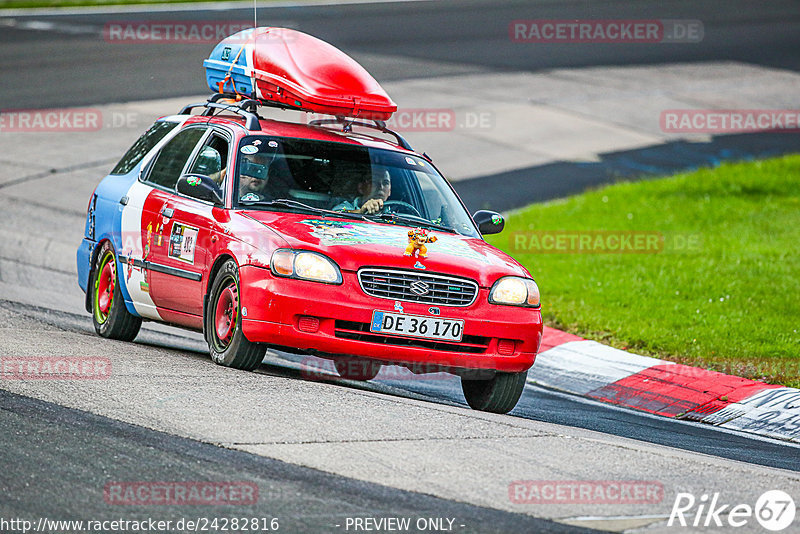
420	288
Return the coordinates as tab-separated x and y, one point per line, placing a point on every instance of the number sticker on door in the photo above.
182	242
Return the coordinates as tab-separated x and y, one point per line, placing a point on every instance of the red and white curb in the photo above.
570	363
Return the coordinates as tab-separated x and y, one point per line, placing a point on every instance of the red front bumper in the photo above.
274	307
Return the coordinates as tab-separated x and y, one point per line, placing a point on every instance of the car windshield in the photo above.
346	179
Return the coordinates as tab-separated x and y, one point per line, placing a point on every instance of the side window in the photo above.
212	159
142	146
170	161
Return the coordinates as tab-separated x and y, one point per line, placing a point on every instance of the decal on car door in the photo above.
182	242
135	249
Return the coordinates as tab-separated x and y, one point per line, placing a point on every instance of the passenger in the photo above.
373	192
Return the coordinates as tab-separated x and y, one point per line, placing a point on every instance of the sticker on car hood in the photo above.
333	232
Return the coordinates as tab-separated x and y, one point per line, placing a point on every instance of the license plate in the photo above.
416	326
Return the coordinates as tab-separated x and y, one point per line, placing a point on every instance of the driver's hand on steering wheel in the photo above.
372	206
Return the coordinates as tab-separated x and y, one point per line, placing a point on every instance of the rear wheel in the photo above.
111	318
223	323
498	395
357	368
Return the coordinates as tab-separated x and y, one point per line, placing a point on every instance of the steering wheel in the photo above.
394	204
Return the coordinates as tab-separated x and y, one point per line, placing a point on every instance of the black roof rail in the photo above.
245	108
248	109
347	126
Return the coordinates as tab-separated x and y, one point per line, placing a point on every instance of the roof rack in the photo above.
245	108
248	109
347	126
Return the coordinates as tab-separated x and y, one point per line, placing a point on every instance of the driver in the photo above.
373	192
253	176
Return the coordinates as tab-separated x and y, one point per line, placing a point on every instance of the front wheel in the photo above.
110	317
223	323
498	395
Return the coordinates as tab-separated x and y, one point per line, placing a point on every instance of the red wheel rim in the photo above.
226	313
105	288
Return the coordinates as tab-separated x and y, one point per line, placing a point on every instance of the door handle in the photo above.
167	213
124	200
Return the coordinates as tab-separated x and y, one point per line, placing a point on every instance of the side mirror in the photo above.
489	222
200	187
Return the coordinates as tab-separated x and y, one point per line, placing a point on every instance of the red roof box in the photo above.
301	71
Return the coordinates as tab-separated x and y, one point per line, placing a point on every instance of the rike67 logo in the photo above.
774	510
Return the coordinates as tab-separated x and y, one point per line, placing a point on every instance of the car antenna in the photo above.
255	14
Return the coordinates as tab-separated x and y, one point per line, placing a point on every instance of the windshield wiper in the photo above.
287	203
412	220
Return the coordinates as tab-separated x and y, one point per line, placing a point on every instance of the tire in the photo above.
111	318
353	368
223	326
498	395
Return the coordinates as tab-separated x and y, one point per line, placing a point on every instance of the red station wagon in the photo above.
331	238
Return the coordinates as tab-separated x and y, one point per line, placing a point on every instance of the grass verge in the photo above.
713	279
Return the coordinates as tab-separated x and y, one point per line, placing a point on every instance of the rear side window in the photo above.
173	157
142	146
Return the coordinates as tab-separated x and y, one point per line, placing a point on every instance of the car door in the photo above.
171	260
191	230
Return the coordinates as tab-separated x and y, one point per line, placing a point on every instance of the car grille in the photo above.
418	287
360	332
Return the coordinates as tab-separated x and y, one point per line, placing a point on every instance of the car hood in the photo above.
353	244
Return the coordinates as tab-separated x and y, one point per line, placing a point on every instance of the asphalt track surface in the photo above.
302	499
52	61
537	403
68	64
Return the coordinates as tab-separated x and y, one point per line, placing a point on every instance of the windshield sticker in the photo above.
182	242
337	232
248	149
273	144
410	161
257	142
250	197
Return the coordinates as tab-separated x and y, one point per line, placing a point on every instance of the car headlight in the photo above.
305	265
515	291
